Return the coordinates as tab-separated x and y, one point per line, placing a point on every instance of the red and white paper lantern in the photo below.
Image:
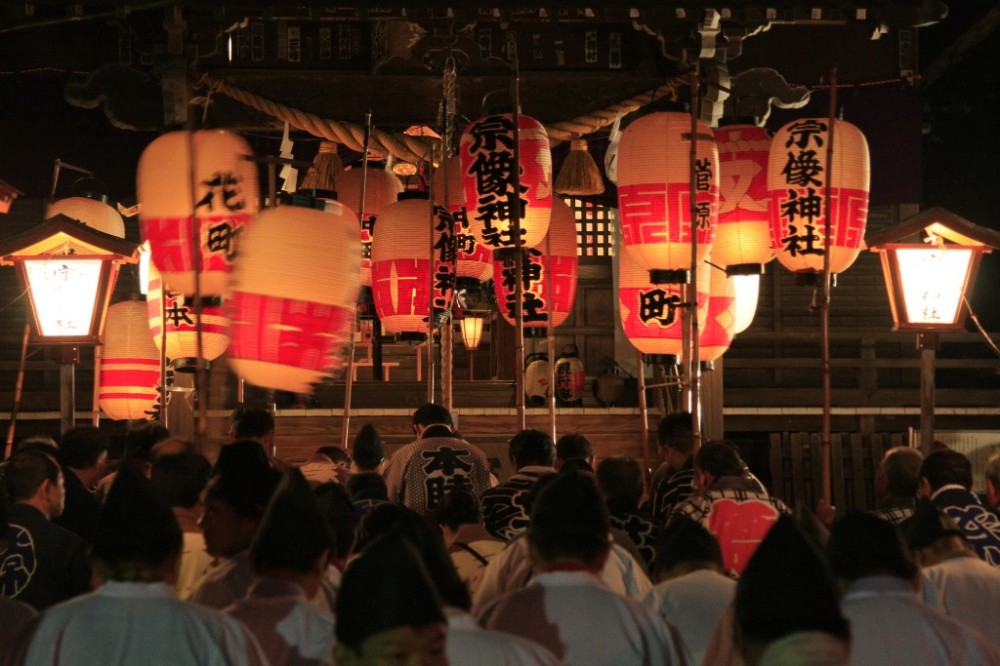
743	235
799	180
401	263
293	297
209	171
473	259
654	190
487	157
130	365
382	188
555	272
95	214
717	334
182	323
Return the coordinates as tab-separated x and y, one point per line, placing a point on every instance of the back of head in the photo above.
947	467
252	424
432	414
719	459
863	545
81	447
368	450
786	588
531	447
676	430
569	520
293	533
927	525
574	446
141	437
367	486
26	471
42	443
335	453
902	470
459	507
179	478
246	486
620	479
245	455
335	505
684	542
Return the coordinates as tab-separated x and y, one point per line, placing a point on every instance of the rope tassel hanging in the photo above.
325	168
579	175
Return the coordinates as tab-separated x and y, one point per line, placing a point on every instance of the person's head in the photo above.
43	443
336	454
234	505
172	446
943	468
531	447
993	480
714	461
367	486
932	535
140	438
335	504
368	449
388	610
84	449
180	478
675	437
620	480
434	418
569	523
137	536
574	446
35	478
459	507
898	473
862	545
255	425
685	546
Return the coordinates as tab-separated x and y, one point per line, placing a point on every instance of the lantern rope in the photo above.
414	148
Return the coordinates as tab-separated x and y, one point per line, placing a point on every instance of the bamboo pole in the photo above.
18	388
200	389
550	337
515	223
431	365
95	404
644	416
164	417
692	364
825	296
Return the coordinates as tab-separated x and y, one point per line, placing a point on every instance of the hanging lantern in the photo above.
747	290
562	264
294	289
798	182
382	188
182	324
95	214
401	267
472	330
743	236
473	259
651	313
225	198
487	158
130	365
654	191
717	334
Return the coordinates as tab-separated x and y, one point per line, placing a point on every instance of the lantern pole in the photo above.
825	296
431	365
644	416
345	424
550	335
515	223
447	331
692	363
18	388
201	393
95	405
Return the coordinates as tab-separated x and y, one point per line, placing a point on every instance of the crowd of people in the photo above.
425	557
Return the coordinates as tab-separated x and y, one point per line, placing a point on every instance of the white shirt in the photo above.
970	593
225	584
468	643
693	603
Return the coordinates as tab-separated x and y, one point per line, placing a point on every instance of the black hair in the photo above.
459	507
179	478
432	414
902	471
531	447
569	520
685	540
620	478
335	504
141	437
43	443
252	423
248	489
80	447
677	431
719	459
863	545
294	533
367	486
26	471
942	468
368	449
574	445
335	453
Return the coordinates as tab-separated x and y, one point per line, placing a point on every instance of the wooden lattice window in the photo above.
595	227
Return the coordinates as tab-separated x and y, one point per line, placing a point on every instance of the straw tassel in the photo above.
579	174
325	168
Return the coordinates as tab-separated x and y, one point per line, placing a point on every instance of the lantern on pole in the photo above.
130	365
182	323
487	157
472	259
801	175
720	318
294	289
654	192
747	291
402	269
205	175
743	236
542	275
382	188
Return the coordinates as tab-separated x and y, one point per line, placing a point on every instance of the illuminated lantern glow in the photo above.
717	334
487	158
650	313
294	290
472	330
562	264
473	259
130	365
225	199
95	214
382	188
798	175
747	290
654	190
182	324
401	266
743	235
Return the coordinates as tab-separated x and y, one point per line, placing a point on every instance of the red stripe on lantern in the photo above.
717	333
743	235
382	188
130	365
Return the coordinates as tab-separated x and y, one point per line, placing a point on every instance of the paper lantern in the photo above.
473	259
487	158
650	314
95	214
798	181
743	235
294	289
717	333
654	190
381	189
130	365
401	266
562	264
209	171
747	290
182	324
